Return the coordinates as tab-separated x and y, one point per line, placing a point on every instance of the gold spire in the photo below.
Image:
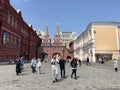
57	33
46	31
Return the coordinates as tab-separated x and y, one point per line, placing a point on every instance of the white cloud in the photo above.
42	32
75	35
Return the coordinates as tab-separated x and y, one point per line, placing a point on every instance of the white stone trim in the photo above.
117	37
93	47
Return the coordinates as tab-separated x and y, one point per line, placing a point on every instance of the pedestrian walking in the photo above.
115	64
62	67
74	67
79	62
39	65
22	63
100	60
18	69
88	61
33	65
55	65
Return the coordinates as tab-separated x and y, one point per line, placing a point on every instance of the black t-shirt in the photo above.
62	63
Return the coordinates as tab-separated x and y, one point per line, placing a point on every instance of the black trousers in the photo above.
33	69
62	72
18	71
73	72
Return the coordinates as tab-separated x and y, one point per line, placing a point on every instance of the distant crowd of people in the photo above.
56	65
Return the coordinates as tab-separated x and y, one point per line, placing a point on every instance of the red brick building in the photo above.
50	48
16	37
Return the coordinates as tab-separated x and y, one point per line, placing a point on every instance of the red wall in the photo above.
13	33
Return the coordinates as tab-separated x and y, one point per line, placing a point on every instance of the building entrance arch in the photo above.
69	57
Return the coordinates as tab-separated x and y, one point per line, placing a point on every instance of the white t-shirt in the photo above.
33	63
55	62
115	63
39	63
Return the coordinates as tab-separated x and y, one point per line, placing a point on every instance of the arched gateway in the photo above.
47	49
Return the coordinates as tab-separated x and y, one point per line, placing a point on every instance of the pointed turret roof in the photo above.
46	31
57	33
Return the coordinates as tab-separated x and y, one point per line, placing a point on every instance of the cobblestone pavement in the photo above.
88	78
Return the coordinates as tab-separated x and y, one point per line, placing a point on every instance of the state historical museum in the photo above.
16	37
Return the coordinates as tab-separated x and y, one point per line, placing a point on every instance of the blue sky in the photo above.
71	15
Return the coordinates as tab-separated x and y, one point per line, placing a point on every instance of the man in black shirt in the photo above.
62	67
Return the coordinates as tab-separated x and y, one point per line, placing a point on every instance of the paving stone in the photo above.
92	77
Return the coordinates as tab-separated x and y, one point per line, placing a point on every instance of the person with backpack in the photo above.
33	65
22	63
74	68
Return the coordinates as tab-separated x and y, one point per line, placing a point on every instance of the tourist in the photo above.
74	67
18	69
54	63
62	67
100	60
33	65
88	61
39	65
22	63
115	64
79	62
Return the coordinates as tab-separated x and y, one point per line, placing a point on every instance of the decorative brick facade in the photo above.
49	49
16	37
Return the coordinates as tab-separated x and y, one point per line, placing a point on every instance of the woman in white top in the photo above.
115	64
55	64
39	66
33	65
